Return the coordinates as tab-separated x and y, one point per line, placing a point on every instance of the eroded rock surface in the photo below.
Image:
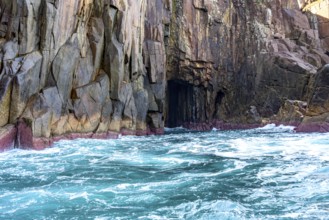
239	61
97	68
81	67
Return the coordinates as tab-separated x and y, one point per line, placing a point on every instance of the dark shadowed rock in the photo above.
319	101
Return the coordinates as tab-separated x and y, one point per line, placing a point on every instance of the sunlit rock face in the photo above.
83	66
94	68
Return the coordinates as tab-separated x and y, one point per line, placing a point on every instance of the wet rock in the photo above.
24	138
7	137
41	143
319	123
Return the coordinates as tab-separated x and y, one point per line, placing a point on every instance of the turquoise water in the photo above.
267	173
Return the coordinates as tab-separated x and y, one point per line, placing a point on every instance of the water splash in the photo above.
263	173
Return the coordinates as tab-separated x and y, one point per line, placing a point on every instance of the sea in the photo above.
264	173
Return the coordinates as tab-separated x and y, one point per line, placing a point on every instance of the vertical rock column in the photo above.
157	23
82	68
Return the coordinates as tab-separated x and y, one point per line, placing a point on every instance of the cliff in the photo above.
98	68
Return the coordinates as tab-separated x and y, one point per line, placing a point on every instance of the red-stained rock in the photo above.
142	132
236	126
313	127
127	132
158	131
198	126
112	135
154	131
74	136
24	139
7	137
58	138
290	123
41	143
100	136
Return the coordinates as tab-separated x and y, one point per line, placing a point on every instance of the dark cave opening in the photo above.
186	103
219	98
180	103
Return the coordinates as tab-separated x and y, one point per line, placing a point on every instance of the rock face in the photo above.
239	61
81	67
96	68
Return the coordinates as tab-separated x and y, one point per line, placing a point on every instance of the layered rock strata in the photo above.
99	68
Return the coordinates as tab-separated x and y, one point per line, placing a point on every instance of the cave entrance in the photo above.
219	99
186	103
180	98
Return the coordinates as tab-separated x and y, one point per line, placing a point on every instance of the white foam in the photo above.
83	195
284	164
175	129
275	128
219	209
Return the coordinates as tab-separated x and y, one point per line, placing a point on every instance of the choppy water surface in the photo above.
267	173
